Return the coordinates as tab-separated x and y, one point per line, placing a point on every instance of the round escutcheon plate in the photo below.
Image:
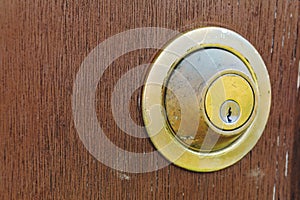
206	99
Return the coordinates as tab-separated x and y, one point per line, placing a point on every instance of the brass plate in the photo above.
232	142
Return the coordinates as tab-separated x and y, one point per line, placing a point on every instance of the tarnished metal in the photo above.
206	99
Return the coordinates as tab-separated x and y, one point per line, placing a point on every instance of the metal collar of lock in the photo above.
206	99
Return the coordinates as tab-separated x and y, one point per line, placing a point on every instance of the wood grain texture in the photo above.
42	45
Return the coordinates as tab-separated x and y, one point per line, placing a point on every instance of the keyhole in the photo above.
230	111
229	115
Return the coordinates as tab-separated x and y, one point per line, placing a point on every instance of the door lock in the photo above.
206	99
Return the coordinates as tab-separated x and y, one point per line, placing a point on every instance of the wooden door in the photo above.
42	46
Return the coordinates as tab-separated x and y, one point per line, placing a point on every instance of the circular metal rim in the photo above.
152	95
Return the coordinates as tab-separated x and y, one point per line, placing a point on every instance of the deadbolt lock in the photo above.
206	99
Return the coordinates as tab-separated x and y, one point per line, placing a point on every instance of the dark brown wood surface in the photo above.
42	45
